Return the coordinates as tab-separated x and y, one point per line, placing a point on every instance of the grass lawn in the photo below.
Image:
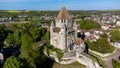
117	27
73	65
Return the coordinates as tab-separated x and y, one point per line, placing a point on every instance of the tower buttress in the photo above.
75	28
63	37
51	32
52	25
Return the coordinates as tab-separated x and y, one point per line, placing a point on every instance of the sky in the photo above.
57	4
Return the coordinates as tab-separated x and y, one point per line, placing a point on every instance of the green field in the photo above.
16	11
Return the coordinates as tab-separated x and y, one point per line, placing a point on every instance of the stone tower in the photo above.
63	33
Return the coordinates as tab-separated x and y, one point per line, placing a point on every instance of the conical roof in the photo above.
63	15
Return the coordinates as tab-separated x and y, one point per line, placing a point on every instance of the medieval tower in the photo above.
63	32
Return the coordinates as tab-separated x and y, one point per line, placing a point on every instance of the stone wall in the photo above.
116	44
102	55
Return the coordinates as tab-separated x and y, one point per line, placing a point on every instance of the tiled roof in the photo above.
63	15
70	29
56	29
78	41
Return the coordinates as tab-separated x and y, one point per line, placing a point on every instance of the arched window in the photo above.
62	21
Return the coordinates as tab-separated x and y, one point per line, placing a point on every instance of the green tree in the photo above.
26	43
13	62
28	62
10	41
47	36
43	31
17	36
116	64
3	33
14	39
115	36
35	32
88	24
104	35
101	45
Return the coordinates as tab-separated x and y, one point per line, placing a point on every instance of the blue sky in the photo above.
57	4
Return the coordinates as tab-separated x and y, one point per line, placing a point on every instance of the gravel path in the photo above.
115	56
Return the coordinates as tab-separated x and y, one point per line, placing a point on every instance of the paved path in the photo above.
115	56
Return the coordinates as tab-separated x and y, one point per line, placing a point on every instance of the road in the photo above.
115	56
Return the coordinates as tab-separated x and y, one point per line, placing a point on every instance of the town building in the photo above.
118	23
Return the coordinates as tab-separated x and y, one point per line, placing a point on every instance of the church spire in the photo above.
63	15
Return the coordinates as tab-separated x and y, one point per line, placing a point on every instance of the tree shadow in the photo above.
45	62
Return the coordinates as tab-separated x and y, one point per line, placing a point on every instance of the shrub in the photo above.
115	36
101	45
116	64
88	24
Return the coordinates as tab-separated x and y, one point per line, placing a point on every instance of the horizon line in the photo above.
54	9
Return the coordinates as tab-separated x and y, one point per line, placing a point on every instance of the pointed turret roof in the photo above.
63	15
